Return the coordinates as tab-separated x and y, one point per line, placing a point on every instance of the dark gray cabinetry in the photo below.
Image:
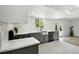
26	50
53	36
45	38
50	36
40	37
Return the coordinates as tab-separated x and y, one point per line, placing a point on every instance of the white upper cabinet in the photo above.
13	13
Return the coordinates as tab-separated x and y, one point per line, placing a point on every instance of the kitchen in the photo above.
22	18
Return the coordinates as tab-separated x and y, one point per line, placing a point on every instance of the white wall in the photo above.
67	23
75	24
4	35
49	25
30	26
65	27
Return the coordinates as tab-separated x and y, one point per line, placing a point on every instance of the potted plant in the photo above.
71	31
56	26
60	28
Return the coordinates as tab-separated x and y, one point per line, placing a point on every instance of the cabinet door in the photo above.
45	38
13	13
56	35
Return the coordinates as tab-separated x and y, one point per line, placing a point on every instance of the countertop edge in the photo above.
5	50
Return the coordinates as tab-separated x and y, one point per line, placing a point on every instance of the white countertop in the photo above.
19	43
34	32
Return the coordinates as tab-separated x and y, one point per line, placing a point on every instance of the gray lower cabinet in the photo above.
40	37
51	36
26	50
45	38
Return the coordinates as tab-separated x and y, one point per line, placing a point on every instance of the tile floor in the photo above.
66	45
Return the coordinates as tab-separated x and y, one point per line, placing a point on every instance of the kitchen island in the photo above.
22	46
46	36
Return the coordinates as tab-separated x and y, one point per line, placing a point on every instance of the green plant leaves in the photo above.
39	23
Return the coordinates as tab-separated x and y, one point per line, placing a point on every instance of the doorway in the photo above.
60	28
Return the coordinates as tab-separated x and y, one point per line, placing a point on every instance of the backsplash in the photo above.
30	26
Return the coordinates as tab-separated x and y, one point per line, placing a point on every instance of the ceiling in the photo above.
54	11
69	11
